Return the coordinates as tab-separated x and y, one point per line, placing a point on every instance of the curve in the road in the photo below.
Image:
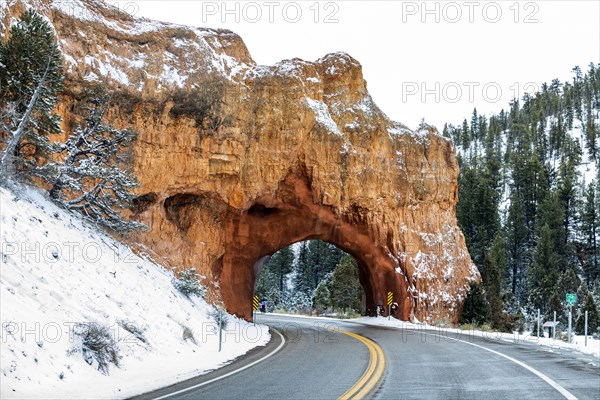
564	392
373	374
228	374
319	366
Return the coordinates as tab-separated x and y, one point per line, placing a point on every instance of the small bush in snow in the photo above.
534	329
136	330
188	335
443	323
214	314
97	344
188	283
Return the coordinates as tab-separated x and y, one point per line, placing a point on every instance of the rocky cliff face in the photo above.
237	160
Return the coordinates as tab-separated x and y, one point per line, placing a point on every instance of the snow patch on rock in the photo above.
322	116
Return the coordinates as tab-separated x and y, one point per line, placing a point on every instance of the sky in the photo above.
435	60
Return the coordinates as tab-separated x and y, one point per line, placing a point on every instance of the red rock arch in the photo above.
291	216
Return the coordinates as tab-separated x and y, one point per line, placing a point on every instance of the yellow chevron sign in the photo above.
255	303
390	298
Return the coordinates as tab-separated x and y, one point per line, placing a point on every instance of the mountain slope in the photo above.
57	272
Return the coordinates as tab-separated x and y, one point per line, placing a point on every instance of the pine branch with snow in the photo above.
95	177
189	284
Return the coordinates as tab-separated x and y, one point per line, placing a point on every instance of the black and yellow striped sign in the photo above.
390	298
255	303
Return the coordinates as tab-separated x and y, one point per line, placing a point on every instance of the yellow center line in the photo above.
372	375
376	378
368	372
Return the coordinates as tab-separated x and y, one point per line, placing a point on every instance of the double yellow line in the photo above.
372	376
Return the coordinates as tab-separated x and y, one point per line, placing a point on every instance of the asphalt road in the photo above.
317	363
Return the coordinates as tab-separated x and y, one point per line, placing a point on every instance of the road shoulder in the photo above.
252	357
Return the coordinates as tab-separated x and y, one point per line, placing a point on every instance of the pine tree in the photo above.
267	288
582	293
567	185
591	131
477	209
346	290
544	271
322	299
189	283
555	304
596	291
281	264
517	244
31	77
476	309
465	209
549	257
493	155
303	275
534	327
446	132
301	302
593	317
589	229
568	283
95	177
315	261
323	258
465	136
474	128
493	277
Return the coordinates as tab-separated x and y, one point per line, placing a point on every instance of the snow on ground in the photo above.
593	345
56	272
392	322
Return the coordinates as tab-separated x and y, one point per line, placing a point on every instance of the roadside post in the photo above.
254	309
554	330
571	299
220	328
585	328
538	323
390	300
569	324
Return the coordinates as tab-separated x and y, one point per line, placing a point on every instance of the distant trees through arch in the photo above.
311	277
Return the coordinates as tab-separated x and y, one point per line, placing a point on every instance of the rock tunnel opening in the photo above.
292	215
311	277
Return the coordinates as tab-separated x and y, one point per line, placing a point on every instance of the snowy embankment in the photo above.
57	273
593	345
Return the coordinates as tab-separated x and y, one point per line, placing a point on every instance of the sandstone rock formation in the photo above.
237	160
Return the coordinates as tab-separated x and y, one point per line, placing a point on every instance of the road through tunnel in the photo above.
290	216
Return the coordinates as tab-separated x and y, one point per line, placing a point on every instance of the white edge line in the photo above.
227	374
549	381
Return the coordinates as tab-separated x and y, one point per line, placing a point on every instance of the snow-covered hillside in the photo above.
56	273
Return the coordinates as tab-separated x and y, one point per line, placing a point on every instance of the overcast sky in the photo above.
434	60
